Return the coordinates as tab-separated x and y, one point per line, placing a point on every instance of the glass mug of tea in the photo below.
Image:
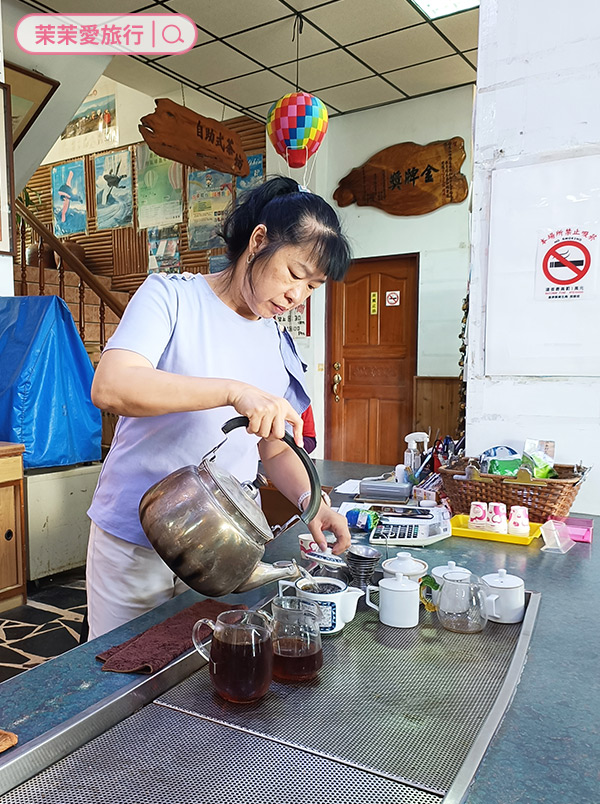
241	654
297	651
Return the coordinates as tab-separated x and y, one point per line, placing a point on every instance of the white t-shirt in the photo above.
181	326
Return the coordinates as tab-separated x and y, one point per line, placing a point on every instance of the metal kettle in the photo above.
210	530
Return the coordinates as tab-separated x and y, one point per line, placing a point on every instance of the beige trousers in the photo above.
123	581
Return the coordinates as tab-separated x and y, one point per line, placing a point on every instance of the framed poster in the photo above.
29	93
114	191
163	250
7	186
94	124
209	196
255	178
69	211
159	185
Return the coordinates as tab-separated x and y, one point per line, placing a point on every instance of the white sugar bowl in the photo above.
412	568
506	601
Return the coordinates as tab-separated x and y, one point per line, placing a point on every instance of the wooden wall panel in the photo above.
121	254
436	405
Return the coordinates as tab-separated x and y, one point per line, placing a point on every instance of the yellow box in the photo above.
460	527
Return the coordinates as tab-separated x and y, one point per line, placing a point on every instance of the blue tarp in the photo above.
45	380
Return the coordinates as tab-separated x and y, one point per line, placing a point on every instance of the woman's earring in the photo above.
249	259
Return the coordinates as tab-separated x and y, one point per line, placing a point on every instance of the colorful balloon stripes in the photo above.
296	125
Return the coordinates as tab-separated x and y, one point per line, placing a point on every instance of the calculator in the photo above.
410	529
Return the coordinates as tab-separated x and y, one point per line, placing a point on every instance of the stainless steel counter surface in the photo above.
547	748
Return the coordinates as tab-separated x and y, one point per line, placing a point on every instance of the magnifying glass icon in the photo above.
178	38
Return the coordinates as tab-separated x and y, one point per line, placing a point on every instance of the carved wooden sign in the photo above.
408	179
178	133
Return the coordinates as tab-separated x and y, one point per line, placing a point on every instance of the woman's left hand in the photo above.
329	520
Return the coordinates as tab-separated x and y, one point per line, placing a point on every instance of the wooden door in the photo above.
372	358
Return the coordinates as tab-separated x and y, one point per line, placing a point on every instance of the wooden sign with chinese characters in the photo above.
178	133
408	179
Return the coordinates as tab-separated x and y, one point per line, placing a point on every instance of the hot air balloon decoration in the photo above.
296	125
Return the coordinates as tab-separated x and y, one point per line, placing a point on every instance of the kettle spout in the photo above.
267	573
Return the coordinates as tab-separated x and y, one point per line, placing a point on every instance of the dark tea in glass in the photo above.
295	661
241	654
297	653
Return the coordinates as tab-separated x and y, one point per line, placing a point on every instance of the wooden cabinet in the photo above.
13	583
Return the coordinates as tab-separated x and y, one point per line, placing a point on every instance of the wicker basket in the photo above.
543	498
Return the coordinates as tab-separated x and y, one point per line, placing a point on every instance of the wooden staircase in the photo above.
96	308
89	324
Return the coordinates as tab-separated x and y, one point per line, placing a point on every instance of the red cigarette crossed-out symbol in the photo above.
570	255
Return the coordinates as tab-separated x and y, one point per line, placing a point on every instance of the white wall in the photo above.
441	238
529	65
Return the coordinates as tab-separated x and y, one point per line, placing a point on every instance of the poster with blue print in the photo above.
114	193
209	197
69	213
255	178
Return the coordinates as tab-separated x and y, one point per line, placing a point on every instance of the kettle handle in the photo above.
315	484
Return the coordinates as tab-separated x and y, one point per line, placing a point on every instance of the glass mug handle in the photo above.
428	582
201	648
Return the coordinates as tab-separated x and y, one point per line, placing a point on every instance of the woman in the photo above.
191	352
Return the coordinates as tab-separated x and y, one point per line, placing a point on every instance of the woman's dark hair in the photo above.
292	218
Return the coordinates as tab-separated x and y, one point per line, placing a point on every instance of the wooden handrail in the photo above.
70	259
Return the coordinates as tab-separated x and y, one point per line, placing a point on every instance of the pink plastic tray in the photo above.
580	530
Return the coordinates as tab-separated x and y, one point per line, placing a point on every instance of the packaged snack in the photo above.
538	457
362	518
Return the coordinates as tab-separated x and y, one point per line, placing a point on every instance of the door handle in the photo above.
337	378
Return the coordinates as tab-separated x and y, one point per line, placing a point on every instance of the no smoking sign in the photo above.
566	262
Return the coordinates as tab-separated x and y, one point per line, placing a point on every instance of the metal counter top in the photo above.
547	748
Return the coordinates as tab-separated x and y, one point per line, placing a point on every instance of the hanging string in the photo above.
310	165
296	33
182	95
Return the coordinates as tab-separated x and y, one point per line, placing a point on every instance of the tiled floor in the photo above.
48	625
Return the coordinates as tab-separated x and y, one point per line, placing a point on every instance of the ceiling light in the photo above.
441	8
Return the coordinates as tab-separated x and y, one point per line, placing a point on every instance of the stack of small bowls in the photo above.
361	560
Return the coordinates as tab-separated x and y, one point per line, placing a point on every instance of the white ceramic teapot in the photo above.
413	568
398	601
335	598
506	603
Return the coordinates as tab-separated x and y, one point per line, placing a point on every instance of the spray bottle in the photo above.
412	456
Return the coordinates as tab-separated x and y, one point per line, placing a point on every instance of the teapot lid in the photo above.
399	583
240	498
438	572
404	563
503	580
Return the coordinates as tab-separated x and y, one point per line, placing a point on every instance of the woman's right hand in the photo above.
267	414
